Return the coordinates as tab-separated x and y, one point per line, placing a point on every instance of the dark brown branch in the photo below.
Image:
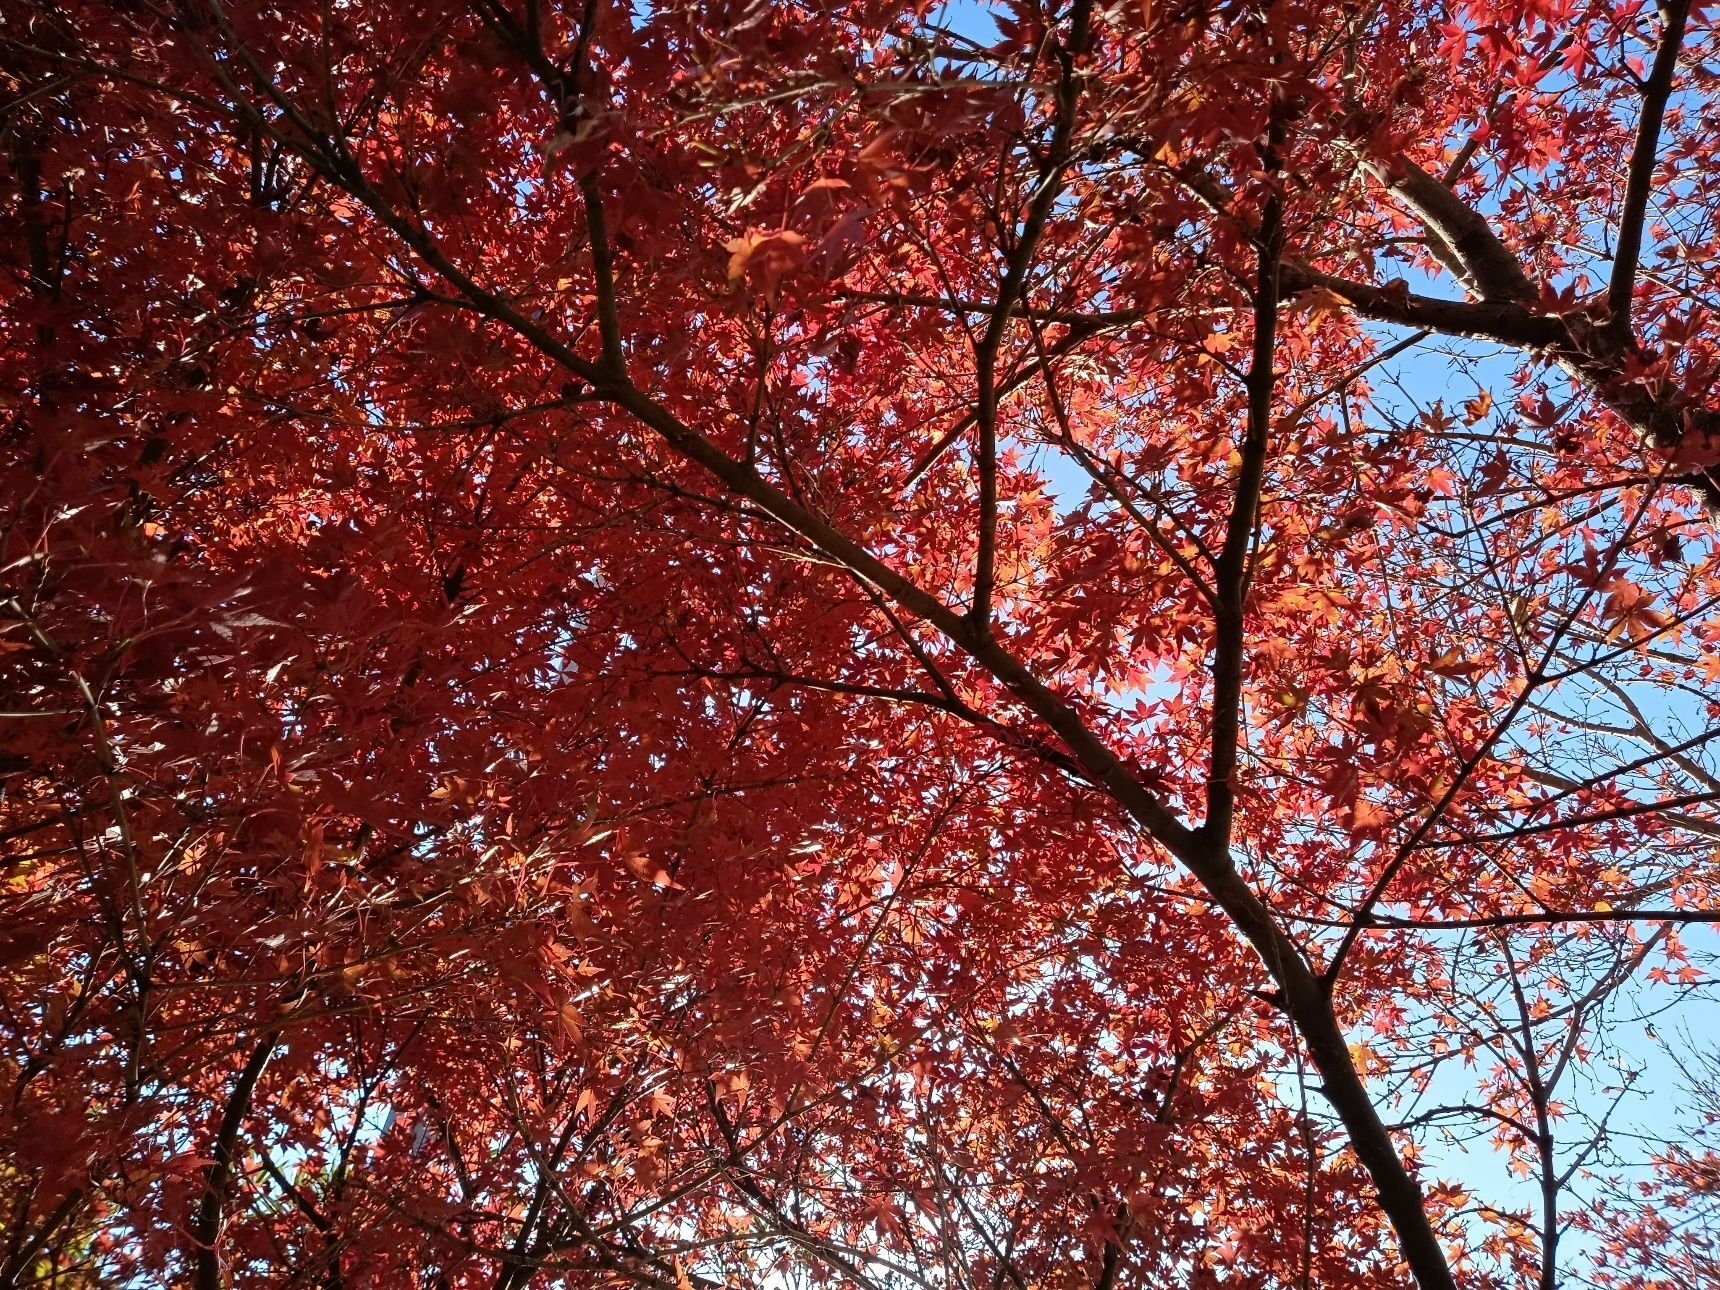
1008	296
1554	917
1504	322
1631	811
956	305
737	1172
603	267
932	455
206	1225
1462	239
1678	819
1640	179
1575	344
1231	577
12	1271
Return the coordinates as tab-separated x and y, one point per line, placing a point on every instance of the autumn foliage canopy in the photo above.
709	644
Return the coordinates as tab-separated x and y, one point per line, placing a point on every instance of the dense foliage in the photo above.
740	644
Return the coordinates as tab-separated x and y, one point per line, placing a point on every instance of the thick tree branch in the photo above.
1662	420
1462	238
1231	576
1504	322
1640	179
603	268
206	1225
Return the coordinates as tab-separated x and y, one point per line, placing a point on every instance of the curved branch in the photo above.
206	1225
1643	159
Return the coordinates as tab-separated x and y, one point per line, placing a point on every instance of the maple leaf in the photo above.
765	258
1319	304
